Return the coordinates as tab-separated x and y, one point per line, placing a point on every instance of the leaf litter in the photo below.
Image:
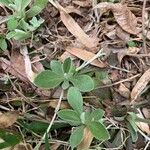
78	29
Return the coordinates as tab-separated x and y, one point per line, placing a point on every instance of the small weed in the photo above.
22	23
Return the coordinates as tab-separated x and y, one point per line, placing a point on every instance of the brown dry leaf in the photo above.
140	85
124	17
8	119
76	30
85	3
15	66
87	139
142	125
22	146
64	104
124	91
85	55
122	34
27	64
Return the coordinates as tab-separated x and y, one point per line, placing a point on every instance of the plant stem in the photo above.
92	59
52	121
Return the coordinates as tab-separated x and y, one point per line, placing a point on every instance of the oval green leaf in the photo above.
67	65
83	82
70	116
76	137
48	79
56	67
98	130
75	99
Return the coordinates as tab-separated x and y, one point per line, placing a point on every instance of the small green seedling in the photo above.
131	124
23	22
80	119
3	43
65	75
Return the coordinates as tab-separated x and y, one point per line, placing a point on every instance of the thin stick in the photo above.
100	53
143	29
125	80
52	121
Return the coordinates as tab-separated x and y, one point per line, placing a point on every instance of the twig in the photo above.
52	121
147	146
143	29
125	80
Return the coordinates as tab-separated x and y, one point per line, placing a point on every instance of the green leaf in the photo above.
70	116
12	24
35	22
3	44
24	4
47	146
76	136
36	8
21	35
96	114
65	85
75	99
67	65
98	130
10	35
83	82
48	79
6	2
131	44
101	75
9	139
24	25
132	132
56	67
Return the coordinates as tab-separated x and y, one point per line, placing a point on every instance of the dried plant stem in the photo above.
100	53
52	121
143	29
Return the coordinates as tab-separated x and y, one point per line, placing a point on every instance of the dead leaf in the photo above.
87	139
140	85
76	30
22	146
27	64
124	17
124	91
142	125
122	34
85	3
8	119
64	104
85	55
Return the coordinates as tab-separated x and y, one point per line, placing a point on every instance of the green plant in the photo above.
23	22
8	139
3	43
66	74
80	119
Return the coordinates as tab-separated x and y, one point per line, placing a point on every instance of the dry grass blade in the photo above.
76	30
86	56
124	17
8	119
140	85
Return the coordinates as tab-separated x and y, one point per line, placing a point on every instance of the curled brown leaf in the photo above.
76	30
124	17
140	85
